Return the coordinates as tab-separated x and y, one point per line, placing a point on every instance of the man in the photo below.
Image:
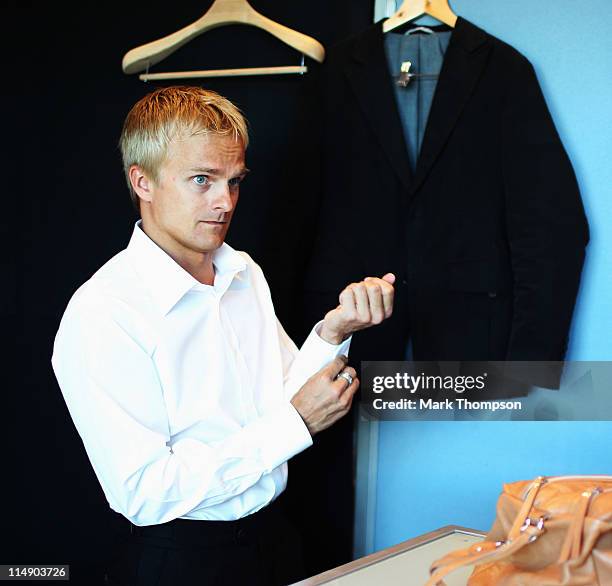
189	396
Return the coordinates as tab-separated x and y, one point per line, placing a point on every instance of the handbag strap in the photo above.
522	515
483	553
573	540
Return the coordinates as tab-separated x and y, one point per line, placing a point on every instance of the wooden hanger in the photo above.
411	9
221	13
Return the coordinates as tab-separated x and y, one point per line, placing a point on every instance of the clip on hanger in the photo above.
405	76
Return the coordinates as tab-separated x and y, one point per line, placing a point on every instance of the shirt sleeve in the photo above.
110	384
315	353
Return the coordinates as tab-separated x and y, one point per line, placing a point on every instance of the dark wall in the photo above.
67	210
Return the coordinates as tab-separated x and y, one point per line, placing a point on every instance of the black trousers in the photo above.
262	549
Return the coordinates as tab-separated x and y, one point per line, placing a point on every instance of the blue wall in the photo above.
430	474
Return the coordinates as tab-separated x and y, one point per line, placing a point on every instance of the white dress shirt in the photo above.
181	391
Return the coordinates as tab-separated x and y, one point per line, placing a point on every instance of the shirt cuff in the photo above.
281	435
316	352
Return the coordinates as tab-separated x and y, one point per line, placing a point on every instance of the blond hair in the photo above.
169	113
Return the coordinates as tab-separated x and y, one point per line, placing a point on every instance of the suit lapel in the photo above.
369	76
463	62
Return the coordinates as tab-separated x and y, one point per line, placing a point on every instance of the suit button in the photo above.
241	536
492	294
404	282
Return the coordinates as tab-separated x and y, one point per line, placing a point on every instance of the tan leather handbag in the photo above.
552	531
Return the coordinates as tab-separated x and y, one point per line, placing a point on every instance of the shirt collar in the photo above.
166	280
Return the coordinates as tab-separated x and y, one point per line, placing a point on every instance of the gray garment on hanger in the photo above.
426	53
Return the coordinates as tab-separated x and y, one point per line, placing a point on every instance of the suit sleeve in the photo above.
545	220
334	261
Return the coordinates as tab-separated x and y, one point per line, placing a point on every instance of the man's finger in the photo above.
388	294
347	301
342	381
336	366
375	297
389	277
362	301
349	393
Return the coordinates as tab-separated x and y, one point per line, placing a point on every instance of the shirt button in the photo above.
492	294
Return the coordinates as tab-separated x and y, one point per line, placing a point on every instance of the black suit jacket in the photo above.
487	238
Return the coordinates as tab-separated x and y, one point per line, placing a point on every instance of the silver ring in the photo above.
345	375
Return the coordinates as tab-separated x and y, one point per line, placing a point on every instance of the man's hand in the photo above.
362	305
326	397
